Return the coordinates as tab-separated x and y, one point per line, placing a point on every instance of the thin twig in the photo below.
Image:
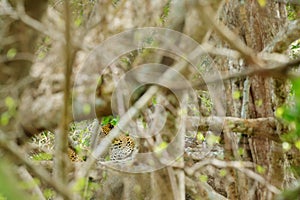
239	165
231	38
278	70
61	139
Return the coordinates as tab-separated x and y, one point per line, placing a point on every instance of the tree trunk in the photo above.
257	27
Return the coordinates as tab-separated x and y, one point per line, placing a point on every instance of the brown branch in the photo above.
281	70
259	127
61	139
289	34
241	166
200	189
231	38
20	14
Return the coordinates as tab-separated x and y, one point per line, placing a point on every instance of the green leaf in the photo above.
279	112
49	193
162	146
297	144
203	178
115	120
223	172
79	185
200	137
42	156
5	117
41	55
262	3
241	151
11	53
259	102
236	95
87	109
154	100
260	169
78	21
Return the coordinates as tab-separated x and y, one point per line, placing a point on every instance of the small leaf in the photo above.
49	193
154	100
262	3
78	21
223	172
203	178
115	121
10	103
42	156
259	102
279	112
260	169
236	94
297	144
200	137
162	146
41	55
11	53
4	118
86	109
79	185
241	151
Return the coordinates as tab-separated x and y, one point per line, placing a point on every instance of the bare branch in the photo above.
61	139
239	165
259	127
232	39
289	34
28	178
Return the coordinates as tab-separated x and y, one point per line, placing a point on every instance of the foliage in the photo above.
291	12
110	119
262	3
166	11
10	112
10	187
294	49
42	156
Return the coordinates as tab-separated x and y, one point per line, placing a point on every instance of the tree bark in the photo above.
257	27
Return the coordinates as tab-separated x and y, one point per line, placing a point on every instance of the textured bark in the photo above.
257	26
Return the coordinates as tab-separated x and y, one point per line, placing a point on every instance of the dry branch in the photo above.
259	127
239	165
61	138
289	34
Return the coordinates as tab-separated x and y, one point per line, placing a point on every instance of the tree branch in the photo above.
259	127
241	166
